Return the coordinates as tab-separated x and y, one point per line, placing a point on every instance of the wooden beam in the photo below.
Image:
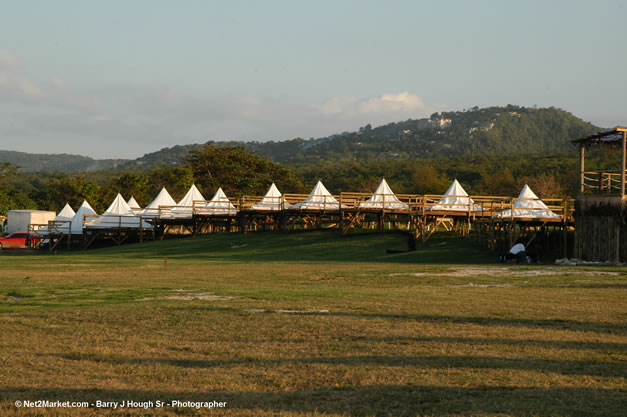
582	153
622	169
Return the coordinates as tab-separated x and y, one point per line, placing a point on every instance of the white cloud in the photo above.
338	105
249	108
8	59
392	103
54	115
389	103
15	84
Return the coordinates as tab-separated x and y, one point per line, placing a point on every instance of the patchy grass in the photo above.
311	324
317	246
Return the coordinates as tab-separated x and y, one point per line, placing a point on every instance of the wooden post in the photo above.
582	152
565	231
622	168
341	220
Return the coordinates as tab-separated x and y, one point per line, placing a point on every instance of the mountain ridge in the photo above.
476	131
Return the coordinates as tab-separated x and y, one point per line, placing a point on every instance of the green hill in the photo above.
31	162
488	131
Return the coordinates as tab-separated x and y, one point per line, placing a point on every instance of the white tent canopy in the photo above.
63	222
132	203
66	213
273	200
455	199
384	198
119	214
184	208
319	199
162	199
219	204
528	205
77	220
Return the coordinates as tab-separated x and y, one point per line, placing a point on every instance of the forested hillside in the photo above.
493	151
495	130
488	131
31	162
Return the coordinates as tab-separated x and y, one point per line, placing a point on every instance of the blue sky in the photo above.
122	78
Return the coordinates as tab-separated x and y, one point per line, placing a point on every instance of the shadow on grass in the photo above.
571	325
307	246
378	400
599	286
553	344
564	367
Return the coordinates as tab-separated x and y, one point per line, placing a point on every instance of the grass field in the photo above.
310	324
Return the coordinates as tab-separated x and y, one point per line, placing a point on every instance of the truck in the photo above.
20	220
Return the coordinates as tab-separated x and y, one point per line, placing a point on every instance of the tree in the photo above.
428	180
12	197
544	185
7	170
498	183
176	180
73	189
238	172
128	184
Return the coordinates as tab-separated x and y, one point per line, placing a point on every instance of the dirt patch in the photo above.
472	285
300	311
559	272
258	310
191	297
470	272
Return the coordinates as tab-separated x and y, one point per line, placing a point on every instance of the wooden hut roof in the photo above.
612	136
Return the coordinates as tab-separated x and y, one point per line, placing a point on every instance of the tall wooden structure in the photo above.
601	208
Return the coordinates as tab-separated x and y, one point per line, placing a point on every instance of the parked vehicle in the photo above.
17	240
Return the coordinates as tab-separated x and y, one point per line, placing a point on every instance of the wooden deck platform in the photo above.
408	213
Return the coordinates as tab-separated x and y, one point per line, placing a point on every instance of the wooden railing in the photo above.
36	228
95	221
54	227
384	202
471	206
602	182
262	203
328	203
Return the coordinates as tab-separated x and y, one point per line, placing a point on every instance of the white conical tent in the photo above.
162	199
455	199
66	213
77	221
184	208
319	199
273	200
219	204
132	203
384	198
61	223
528	206
119	214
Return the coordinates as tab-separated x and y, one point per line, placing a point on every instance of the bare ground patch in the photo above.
200	296
474	271
260	310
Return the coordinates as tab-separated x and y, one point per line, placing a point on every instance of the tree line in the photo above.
240	172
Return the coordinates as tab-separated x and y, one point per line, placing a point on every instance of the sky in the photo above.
120	79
